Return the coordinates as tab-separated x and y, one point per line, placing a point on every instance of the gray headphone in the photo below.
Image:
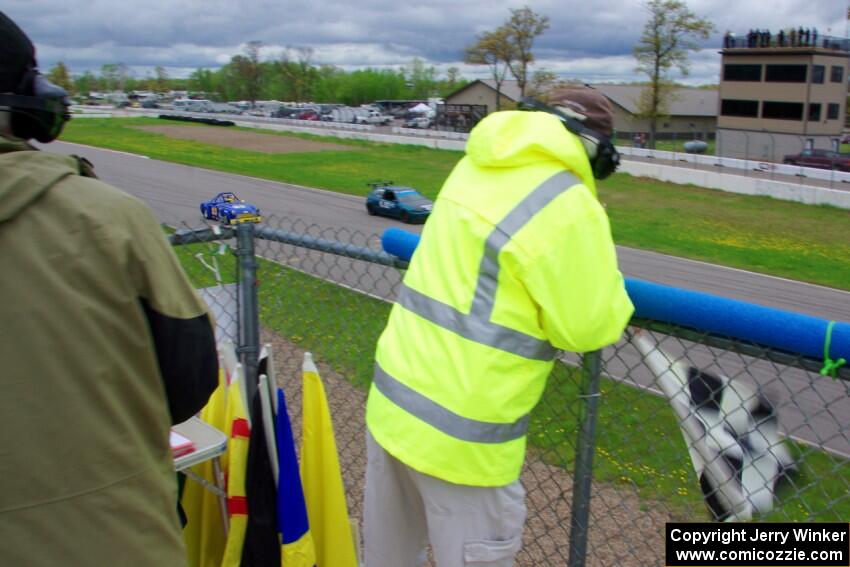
606	159
38	108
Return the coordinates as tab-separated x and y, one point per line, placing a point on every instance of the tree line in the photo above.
291	77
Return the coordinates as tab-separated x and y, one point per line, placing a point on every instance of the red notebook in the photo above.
181	445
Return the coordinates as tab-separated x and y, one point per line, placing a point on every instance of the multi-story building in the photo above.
781	95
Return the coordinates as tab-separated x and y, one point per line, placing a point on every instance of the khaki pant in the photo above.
466	525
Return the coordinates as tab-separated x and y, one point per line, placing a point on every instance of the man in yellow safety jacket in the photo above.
515	263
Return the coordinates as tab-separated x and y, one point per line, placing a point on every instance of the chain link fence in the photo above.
767	433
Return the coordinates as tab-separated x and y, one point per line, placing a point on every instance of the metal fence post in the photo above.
249	322
585	445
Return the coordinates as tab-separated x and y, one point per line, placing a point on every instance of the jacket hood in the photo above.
26	173
518	138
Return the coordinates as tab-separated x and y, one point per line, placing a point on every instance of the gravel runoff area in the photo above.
624	530
240	139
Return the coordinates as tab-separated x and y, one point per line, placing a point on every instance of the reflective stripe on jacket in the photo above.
515	262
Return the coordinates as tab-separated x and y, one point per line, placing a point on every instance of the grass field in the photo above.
802	242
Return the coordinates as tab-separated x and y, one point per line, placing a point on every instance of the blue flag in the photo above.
297	544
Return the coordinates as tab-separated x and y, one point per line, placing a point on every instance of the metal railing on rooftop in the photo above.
785	38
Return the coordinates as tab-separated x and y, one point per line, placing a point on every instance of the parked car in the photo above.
228	209
192	105
822	159
286	112
373	117
398	201
308	114
418	122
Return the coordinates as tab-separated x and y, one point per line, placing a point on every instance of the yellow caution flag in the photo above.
320	475
204	531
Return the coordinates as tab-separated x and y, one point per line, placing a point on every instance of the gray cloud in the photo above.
591	40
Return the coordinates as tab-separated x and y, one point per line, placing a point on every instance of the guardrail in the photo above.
738	164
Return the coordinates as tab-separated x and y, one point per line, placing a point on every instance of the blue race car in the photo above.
228	209
398	201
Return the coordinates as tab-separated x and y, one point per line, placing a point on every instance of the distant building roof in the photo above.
686	101
508	88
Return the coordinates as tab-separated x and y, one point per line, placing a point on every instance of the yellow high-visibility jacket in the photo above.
515	262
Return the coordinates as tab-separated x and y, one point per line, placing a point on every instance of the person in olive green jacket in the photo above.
515	263
105	344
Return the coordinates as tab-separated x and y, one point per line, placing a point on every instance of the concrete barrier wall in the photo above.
739	184
741	164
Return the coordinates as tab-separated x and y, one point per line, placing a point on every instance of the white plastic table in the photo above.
209	443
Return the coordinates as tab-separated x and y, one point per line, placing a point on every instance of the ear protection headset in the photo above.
38	108
604	160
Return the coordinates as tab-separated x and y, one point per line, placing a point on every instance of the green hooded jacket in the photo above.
105	345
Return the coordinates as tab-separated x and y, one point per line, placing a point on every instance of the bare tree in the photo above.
296	68
508	48
452	77
671	31
542	80
115	76
492	49
422	78
247	69
59	75
161	80
521	29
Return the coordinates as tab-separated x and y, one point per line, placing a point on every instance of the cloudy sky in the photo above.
588	40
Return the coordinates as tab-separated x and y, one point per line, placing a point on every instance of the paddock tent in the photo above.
421	108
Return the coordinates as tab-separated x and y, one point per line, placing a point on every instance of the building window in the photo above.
817	74
782	110
837	75
814	111
785	74
733	72
733	107
832	111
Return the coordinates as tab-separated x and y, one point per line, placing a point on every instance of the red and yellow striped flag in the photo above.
239	434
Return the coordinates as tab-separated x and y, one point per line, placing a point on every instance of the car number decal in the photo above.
384	204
